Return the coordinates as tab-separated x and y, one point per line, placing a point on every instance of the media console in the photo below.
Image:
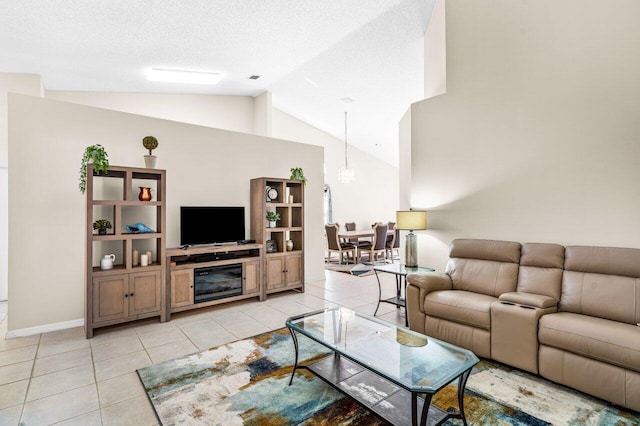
229	262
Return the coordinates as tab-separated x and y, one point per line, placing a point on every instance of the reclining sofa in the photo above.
570	314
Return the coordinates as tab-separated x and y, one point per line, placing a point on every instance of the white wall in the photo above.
537	137
223	112
46	210
372	197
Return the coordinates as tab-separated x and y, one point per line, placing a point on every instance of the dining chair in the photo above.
334	244
378	245
393	241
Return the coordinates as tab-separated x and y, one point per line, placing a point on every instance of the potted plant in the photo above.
96	155
272	217
150	143
298	174
102	225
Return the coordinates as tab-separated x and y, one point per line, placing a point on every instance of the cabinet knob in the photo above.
191	286
131	294
126	295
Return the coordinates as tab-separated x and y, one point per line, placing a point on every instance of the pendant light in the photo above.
346	174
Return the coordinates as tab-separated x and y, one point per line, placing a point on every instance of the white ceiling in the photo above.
367	50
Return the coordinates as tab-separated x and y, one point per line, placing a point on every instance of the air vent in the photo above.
254	77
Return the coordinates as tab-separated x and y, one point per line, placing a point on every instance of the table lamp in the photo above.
411	220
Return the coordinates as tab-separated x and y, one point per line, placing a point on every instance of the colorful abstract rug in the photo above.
246	383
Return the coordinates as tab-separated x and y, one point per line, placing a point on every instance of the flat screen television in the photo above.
209	225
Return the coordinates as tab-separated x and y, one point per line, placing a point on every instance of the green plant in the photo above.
273	216
150	143
102	225
92	154
298	174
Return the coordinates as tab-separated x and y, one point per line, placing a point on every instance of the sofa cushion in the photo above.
483	276
540	269
463	307
604	340
603	260
498	251
612	297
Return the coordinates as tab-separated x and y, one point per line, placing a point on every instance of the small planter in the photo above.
272	224
150	161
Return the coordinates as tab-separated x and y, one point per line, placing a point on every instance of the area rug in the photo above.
246	383
359	269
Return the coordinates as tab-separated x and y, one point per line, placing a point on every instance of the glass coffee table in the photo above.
400	271
391	371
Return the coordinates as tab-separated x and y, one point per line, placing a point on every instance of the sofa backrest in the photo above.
602	282
484	266
540	269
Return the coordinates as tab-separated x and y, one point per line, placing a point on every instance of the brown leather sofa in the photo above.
569	314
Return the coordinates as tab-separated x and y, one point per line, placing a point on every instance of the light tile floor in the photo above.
64	379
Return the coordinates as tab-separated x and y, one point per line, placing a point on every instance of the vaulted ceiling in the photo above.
312	55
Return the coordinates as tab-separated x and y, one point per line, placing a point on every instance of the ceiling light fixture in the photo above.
346	174
183	76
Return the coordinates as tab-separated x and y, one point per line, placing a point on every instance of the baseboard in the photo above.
30	331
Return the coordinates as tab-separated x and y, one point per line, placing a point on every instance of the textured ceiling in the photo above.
367	50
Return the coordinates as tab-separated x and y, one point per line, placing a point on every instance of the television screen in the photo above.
207	225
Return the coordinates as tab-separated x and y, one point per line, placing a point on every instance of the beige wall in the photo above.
204	166
28	84
372	197
537	137
223	112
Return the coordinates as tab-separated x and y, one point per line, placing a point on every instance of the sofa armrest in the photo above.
430	281
529	299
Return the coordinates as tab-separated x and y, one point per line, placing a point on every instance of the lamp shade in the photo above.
411	220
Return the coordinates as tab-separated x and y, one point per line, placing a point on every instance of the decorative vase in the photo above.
102	232
272	224
289	245
150	161
145	194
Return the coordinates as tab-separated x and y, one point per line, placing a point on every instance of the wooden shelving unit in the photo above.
283	269
127	292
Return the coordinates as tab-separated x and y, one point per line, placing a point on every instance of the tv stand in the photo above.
181	263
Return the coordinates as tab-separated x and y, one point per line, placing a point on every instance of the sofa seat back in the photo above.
484	266
541	268
602	282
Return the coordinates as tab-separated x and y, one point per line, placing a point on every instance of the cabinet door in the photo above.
145	292
110	298
250	277
181	288
275	272
293	268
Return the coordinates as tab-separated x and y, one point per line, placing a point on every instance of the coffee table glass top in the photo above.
399	269
412	360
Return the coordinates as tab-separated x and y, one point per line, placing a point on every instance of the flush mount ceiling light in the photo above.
183	76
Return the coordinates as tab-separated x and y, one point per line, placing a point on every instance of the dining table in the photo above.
360	233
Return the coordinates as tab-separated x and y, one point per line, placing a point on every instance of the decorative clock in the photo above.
272	193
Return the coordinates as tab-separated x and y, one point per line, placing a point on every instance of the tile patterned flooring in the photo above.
64	379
